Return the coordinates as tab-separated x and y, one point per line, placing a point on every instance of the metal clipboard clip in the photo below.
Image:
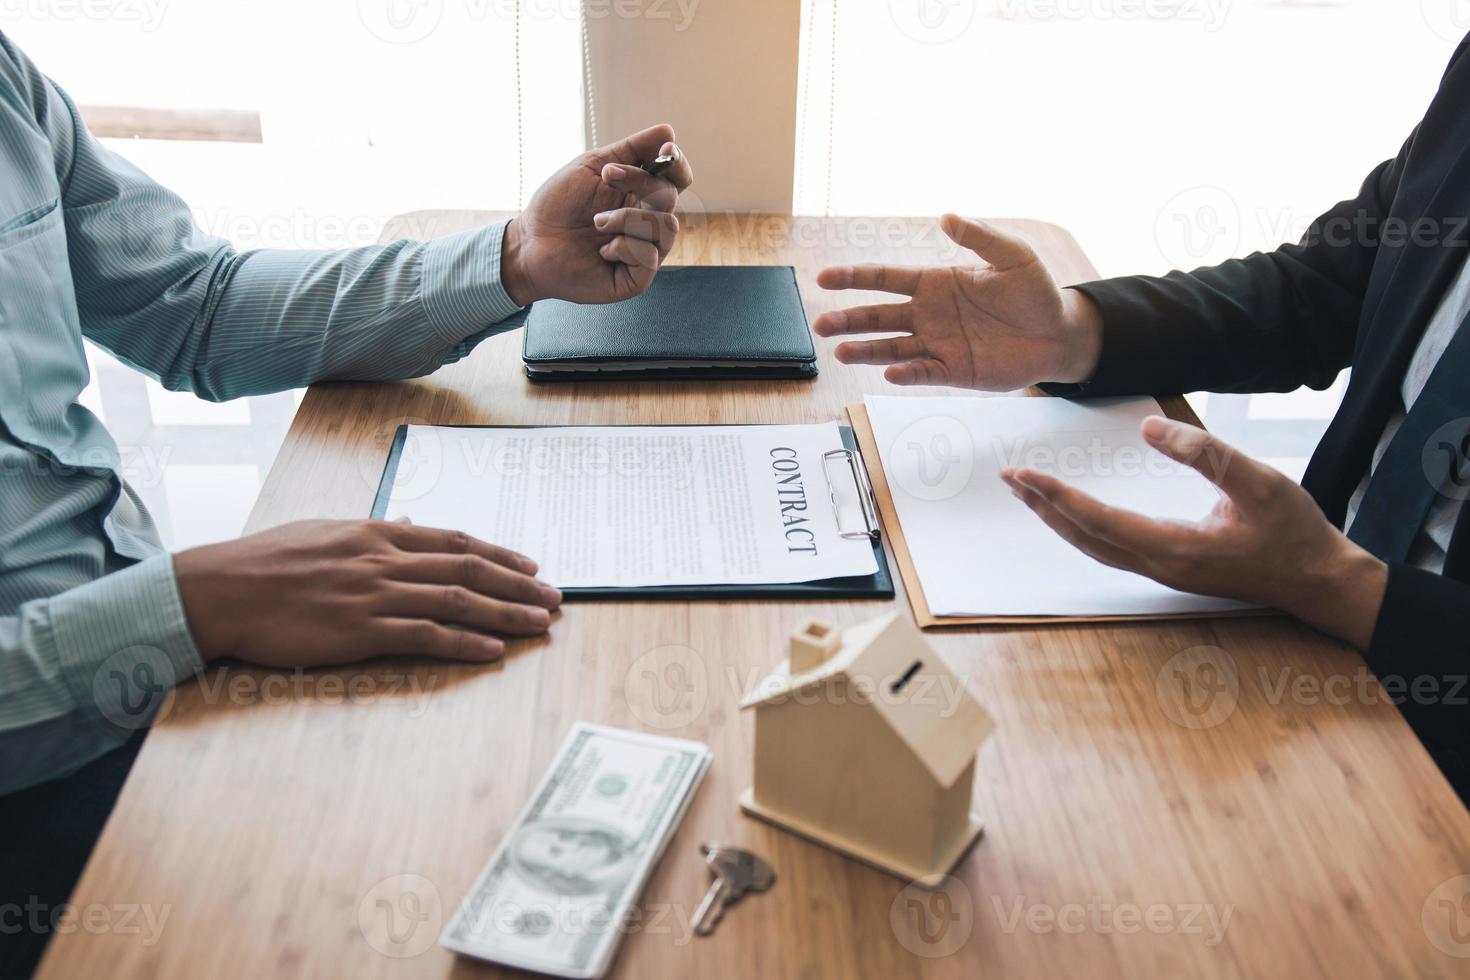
867	503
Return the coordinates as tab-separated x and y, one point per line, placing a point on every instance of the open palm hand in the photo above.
998	326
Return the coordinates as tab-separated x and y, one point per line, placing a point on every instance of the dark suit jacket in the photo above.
1359	290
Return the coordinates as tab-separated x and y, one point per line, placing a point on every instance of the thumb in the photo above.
1001	250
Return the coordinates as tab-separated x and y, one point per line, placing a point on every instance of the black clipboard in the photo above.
879	585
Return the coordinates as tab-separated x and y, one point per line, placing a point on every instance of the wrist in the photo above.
513	276
1344	594
209	620
1082	338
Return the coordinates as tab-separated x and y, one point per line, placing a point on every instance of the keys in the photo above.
735	872
659	165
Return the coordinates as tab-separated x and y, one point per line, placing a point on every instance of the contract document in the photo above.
978	551
627	507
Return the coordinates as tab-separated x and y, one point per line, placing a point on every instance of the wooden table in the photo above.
1207	799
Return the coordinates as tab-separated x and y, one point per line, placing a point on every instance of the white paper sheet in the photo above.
978	550
627	506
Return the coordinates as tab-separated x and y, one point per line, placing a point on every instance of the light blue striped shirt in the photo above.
92	629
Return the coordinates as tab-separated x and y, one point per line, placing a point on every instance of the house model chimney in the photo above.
812	643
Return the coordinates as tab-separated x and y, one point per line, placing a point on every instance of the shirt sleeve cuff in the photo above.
463	293
123	641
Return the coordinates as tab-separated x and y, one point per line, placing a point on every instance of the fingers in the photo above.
888	351
1095	548
476	573
1244	480
679	173
632	252
925	371
396	635
412	537
455	605
659	227
1001	250
1122	528
882	318
640	147
658	193
647	146
884	278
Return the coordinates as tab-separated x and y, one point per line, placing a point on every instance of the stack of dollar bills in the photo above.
561	889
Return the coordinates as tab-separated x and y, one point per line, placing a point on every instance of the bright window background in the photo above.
1161	133
368	109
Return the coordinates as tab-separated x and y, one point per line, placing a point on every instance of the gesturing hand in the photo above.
1265	542
330	592
599	228
997	327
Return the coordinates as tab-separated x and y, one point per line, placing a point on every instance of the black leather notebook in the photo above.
694	322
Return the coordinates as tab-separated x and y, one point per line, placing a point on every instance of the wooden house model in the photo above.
865	741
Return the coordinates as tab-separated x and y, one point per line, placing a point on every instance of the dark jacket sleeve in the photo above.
1419	651
1270	322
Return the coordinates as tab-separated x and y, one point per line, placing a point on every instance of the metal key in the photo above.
735	872
659	165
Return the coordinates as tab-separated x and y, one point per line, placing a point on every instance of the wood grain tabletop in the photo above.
1217	798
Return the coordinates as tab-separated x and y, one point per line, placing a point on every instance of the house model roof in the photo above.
888	668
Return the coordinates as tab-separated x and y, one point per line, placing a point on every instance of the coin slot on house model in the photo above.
905	677
829	765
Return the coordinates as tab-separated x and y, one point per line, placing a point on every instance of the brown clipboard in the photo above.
1174	406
